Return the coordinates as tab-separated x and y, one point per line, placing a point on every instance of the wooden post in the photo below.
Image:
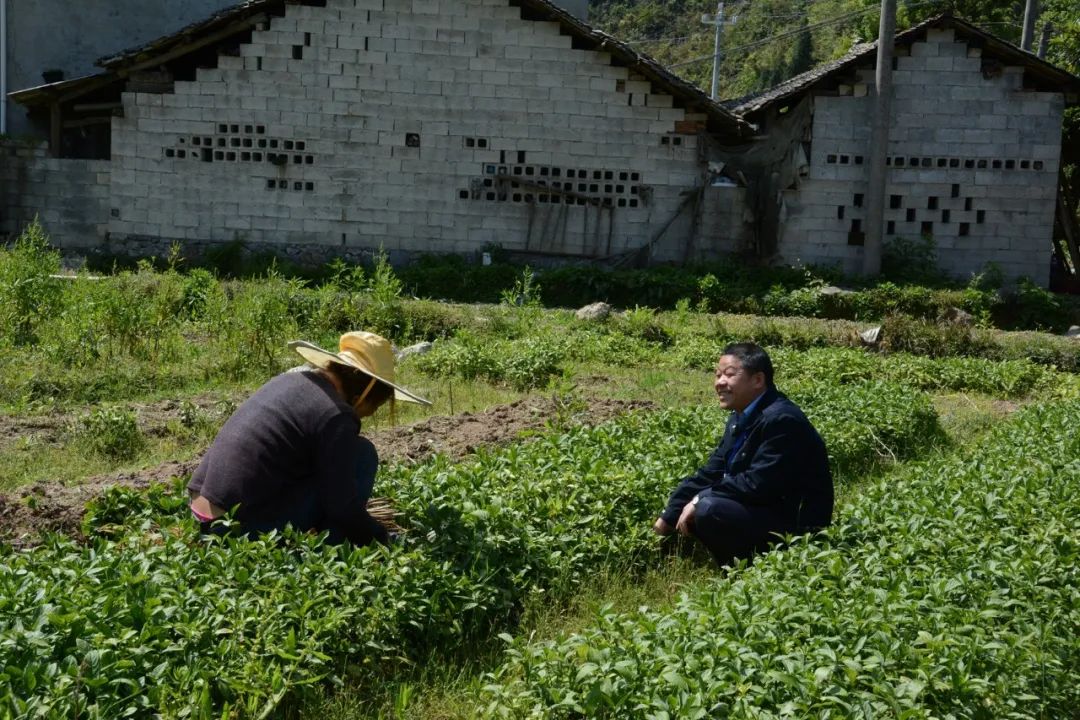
879	141
1031	16
56	126
1044	41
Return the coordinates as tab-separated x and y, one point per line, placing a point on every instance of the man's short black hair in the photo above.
753	358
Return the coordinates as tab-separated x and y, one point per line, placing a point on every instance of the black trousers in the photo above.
732	530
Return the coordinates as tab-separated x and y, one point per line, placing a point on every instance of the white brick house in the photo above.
973	155
331	127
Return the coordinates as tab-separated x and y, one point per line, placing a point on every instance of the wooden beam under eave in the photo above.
194	45
56	126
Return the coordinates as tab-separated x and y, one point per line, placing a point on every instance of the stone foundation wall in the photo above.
69	197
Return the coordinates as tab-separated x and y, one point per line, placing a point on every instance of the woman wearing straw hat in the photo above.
292	453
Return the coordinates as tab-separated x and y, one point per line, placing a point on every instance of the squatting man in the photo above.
769	475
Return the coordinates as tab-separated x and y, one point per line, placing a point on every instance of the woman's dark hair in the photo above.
753	358
355	382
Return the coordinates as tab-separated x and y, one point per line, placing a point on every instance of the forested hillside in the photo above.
772	40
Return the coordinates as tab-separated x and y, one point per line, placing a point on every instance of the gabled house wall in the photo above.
417	126
973	163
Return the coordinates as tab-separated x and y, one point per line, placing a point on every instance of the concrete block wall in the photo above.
973	161
415	125
69	197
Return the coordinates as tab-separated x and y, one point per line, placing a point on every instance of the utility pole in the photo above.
879	141
719	21
1044	41
1031	16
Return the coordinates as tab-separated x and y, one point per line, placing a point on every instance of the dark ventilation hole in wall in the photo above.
298	186
857	201
271	184
665	140
899	162
888	161
1010	164
230	156
676	140
258	63
245	157
262	142
412	139
257	157
955	190
309	159
309	186
544	171
858	159
928	162
219	155
633	202
965	229
954	162
181	154
913	162
927	228
260	129
297	52
300	144
248	142
1037	165
1025	164
890	228
169	152
470	142
481	142
969	164
844	159
222	128
298	159
221	142
831	159
235	128
839	212
530	170
207	155
521	156
931	203
307	39
997	165
249	129
980	165
910	215
967	204
635	176
895	202
609	189
946	216
980	216
234	142
942	162
288	144
620	86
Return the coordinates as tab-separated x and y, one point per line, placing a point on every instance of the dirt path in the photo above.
53	506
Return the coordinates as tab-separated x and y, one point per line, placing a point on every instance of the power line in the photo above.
791	33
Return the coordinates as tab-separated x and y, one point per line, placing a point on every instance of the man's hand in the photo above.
660	527
686	520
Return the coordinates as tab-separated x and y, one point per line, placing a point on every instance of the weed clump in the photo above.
110	432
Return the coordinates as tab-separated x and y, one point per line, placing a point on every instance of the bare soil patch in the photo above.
57	507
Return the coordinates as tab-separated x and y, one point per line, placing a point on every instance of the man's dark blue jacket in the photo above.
781	463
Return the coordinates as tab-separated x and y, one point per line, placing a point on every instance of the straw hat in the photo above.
363	351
